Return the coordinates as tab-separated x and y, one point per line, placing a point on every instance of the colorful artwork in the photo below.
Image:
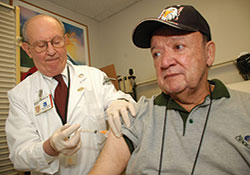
76	43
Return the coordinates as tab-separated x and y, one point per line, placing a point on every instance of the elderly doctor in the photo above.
45	138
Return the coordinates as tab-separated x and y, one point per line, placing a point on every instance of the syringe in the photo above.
94	131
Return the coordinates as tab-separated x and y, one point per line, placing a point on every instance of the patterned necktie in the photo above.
61	96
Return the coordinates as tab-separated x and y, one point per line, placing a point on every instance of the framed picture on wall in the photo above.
78	47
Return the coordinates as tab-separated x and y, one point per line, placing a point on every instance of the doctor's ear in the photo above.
26	48
66	38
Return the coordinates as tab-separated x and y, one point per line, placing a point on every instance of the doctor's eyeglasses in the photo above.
41	46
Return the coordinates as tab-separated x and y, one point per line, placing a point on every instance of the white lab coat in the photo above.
89	96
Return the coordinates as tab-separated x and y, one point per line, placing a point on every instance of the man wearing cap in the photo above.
196	125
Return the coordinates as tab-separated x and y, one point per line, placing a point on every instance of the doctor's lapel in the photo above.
77	89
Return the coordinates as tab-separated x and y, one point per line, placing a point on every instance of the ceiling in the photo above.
98	10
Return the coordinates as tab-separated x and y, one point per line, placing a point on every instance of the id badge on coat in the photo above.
43	104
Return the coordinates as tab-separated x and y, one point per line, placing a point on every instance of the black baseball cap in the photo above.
182	17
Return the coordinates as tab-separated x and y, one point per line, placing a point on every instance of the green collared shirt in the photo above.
220	123
163	99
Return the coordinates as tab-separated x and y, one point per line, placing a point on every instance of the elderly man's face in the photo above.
180	60
52	61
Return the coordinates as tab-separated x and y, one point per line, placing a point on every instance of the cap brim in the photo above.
143	32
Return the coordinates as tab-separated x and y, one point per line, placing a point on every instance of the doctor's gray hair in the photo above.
24	29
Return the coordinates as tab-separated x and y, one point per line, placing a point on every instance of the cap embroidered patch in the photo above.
171	13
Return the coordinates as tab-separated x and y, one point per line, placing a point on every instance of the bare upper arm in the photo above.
113	158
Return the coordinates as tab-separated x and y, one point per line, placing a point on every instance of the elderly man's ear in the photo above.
26	48
66	37
210	49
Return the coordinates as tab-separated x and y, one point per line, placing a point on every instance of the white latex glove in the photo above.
66	139
117	108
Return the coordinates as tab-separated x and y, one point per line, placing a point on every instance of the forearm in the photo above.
113	158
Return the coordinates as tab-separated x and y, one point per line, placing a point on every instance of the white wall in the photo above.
228	19
243	86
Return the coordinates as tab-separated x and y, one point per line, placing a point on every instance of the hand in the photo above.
116	108
62	141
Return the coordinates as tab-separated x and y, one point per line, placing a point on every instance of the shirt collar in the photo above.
219	91
64	74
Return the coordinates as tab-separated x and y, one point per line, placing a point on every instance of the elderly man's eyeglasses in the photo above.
41	46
